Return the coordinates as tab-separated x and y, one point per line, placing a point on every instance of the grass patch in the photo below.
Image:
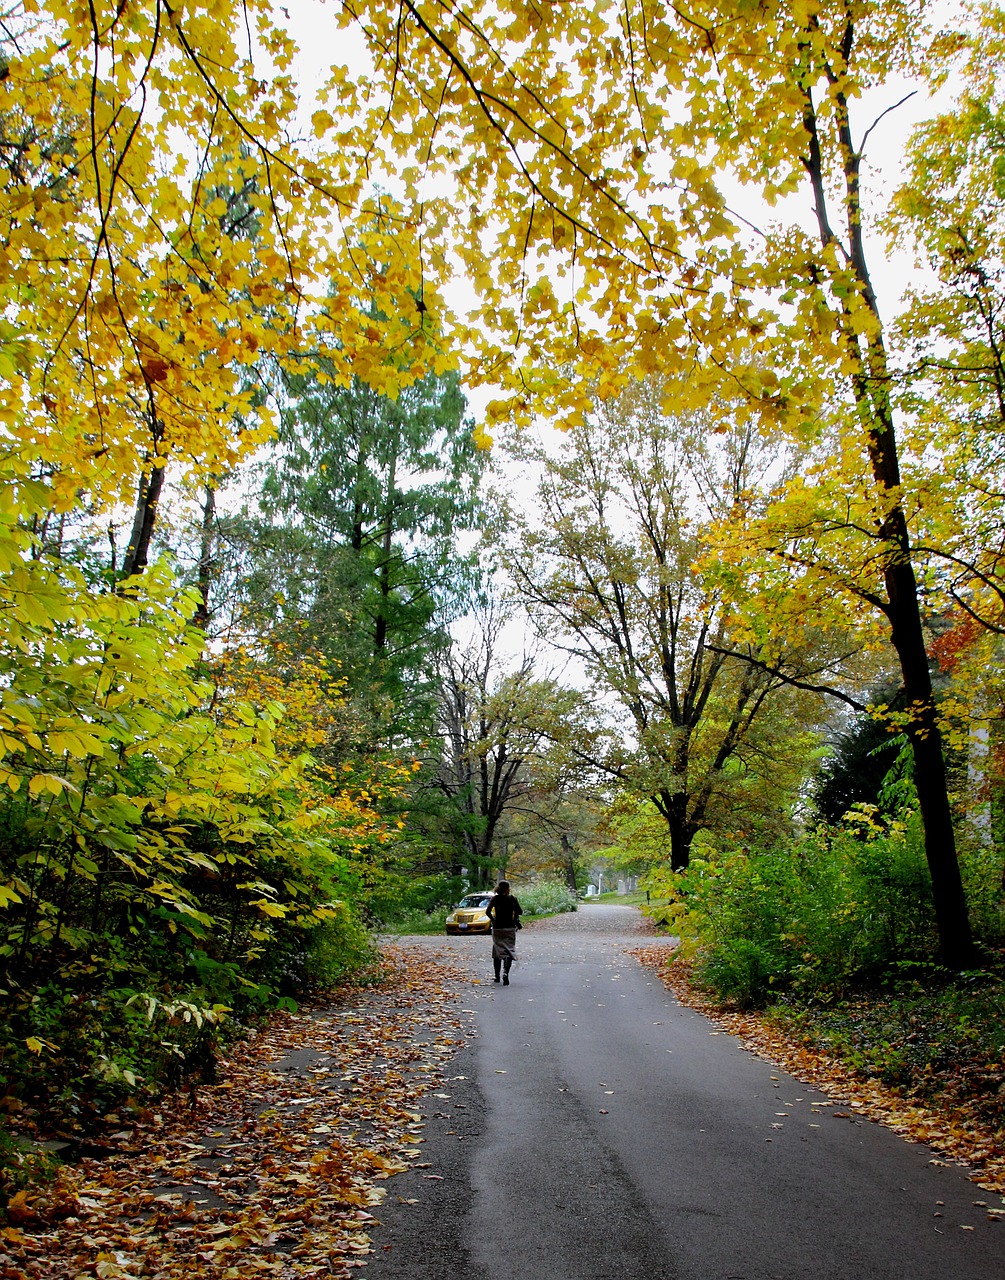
412	922
633	899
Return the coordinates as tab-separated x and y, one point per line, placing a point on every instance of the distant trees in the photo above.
612	558
554	831
497	722
357	549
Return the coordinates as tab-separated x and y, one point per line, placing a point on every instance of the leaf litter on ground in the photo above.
276	1170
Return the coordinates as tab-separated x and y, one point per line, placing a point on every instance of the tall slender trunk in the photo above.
359	506
206	559
384	568
871	391
148	494
906	633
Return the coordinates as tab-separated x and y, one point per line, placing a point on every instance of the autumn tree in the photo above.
553	830
951	335
158	846
129	353
607	558
496	720
689	191
635	841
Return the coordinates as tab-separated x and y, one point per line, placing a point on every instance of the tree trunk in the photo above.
871	391
148	495
569	862
503	860
672	805
955	936
384	571
680	848
205	572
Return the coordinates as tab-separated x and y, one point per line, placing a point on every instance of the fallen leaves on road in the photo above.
948	1133
274	1171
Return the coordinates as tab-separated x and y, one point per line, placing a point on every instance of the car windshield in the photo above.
475	900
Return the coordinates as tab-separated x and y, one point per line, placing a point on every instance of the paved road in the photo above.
595	1130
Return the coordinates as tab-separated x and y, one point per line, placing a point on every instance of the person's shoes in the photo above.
496	978
506	980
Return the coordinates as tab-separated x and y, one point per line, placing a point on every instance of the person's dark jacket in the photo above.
504	911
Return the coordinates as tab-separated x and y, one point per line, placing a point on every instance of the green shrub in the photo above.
77	1046
739	971
79	1057
981	864
838	907
546	897
412	900
338	949
416	921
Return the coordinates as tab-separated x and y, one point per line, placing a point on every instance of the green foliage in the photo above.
856	765
356	553
740	971
639	836
433	893
837	907
336	949
89	1052
938	1038
417	921
981	866
161	864
546	898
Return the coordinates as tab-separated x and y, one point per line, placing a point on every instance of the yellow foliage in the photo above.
162	235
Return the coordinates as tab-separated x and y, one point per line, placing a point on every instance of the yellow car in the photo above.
469	915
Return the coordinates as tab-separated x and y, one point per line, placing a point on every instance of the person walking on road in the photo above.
504	912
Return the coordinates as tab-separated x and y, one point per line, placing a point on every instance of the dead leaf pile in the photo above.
948	1131
272	1172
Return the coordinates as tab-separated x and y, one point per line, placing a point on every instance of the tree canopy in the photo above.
607	164
608	557
199	257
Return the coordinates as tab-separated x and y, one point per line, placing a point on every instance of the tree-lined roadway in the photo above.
595	1130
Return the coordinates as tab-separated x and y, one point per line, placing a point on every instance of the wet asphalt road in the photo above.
596	1130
